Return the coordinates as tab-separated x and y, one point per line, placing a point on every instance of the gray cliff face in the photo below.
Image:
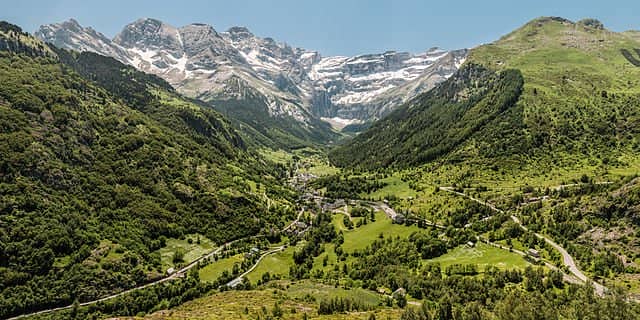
293	82
70	35
150	34
365	87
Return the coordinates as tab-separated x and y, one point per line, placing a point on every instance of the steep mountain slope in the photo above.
200	63
367	87
580	100
243	74
100	163
465	105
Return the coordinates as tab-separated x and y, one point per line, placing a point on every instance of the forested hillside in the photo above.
579	100
99	165
469	104
252	117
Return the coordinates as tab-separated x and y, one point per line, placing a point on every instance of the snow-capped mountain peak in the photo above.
71	35
296	82
239	34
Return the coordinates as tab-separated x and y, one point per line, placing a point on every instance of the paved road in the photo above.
571	264
566	277
173	276
568	260
233	283
491	206
294	221
576	276
386	209
555	188
178	274
391	213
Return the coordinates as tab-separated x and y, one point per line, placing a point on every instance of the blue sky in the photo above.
334	27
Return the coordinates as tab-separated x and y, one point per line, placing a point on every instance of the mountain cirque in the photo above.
293	82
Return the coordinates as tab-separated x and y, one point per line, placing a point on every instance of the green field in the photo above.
356	239
481	255
191	251
395	187
360	238
276	264
329	250
212	271
322	291
277	156
318	166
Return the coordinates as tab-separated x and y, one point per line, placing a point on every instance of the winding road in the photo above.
233	283
173	276
178	274
567	259
294	221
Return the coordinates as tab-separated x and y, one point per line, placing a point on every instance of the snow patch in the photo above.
144	56
307	55
339	123
363	96
341	120
361	60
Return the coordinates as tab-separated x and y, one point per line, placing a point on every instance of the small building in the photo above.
401	292
254	251
534	253
170	271
471	244
399	218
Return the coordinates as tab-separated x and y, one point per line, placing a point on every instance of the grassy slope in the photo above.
214	270
191	250
320	291
577	112
481	255
394	186
361	237
276	264
232	304
567	67
469	104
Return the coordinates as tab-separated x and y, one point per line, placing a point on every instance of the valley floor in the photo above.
393	210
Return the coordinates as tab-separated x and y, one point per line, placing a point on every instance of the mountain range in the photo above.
573	94
271	87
